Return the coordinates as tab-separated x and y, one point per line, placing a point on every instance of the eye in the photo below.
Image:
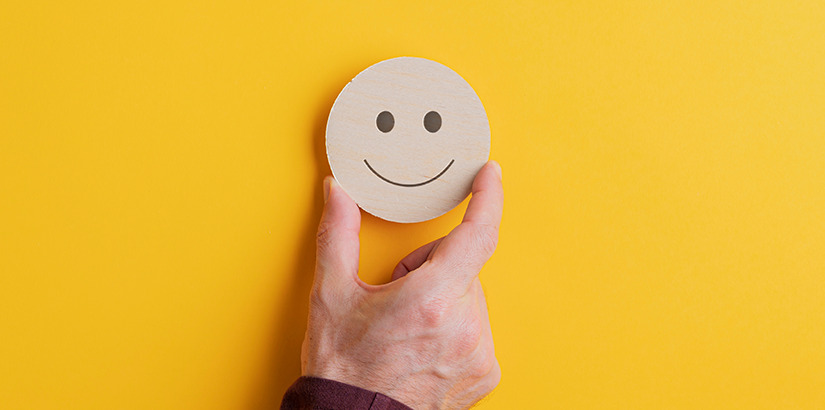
432	121
385	121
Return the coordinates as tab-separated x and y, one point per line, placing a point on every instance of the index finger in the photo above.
466	249
486	205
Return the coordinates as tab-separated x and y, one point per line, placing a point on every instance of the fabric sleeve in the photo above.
315	393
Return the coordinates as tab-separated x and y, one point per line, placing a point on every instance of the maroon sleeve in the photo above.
314	393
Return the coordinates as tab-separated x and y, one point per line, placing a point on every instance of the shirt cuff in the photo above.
315	393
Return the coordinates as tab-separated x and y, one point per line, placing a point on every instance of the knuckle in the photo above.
486	238
494	377
324	236
481	367
319	300
468	338
324	300
487	371
433	313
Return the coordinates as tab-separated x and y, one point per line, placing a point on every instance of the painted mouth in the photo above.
409	185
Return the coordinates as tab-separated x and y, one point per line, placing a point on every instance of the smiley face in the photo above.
406	137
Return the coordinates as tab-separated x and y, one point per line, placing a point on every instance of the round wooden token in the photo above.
405	139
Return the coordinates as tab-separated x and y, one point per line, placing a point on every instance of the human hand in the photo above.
423	339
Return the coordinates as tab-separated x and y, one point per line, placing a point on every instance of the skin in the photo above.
423	339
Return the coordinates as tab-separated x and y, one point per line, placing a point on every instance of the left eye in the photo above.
385	121
432	121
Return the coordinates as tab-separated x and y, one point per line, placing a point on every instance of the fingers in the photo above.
488	196
337	239
471	244
415	259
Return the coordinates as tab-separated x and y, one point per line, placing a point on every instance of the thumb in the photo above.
336	263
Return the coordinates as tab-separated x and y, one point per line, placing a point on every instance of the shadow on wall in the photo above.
284	363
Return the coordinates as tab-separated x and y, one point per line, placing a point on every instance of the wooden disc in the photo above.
405	139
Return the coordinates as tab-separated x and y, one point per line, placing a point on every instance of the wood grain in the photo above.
408	173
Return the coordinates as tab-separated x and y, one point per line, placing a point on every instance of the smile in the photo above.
409	185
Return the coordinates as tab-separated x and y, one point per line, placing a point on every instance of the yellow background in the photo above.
663	243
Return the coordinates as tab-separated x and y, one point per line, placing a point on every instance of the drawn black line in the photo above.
409	185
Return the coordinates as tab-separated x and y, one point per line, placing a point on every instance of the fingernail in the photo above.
497	167
327	182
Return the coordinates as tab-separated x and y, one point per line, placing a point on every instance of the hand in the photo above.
423	339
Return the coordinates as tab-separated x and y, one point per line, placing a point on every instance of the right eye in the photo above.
385	121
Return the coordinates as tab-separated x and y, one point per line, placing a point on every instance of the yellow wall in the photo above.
663	243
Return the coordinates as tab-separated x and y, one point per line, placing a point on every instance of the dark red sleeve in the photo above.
314	393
